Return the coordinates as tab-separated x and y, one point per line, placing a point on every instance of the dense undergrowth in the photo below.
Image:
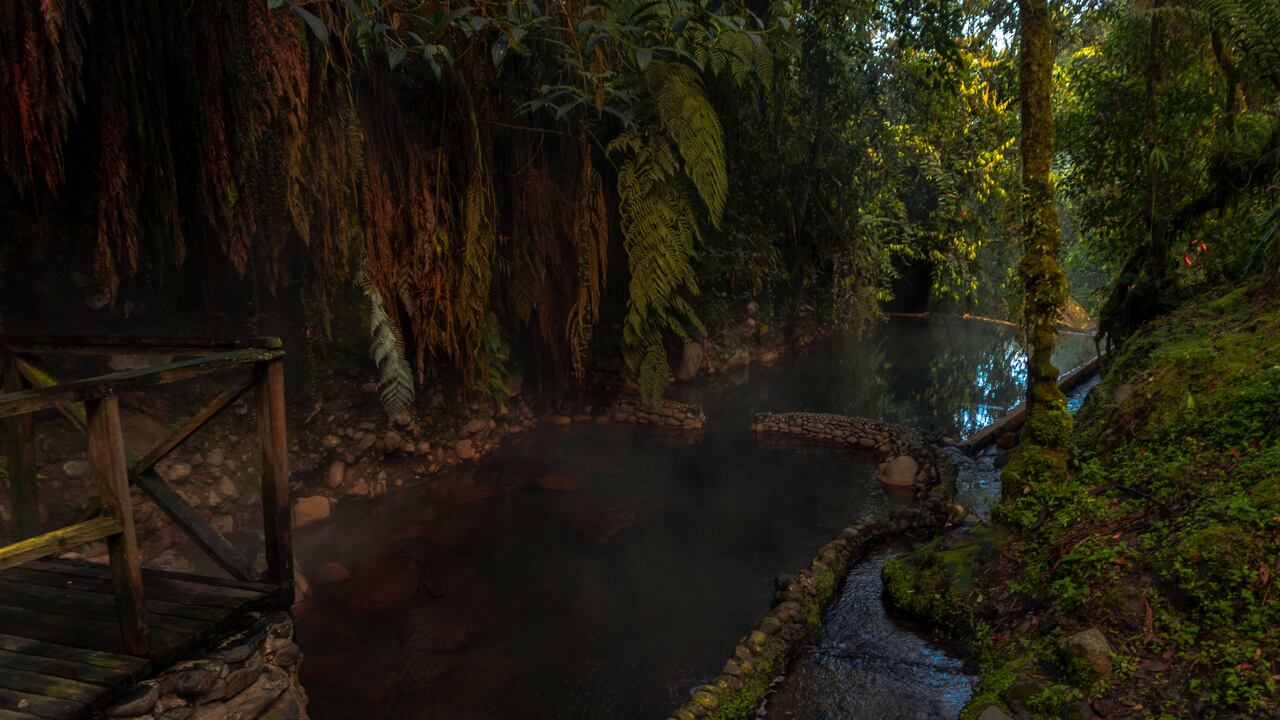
1165	537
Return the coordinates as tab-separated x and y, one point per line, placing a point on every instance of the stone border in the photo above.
669	414
884	439
800	600
252	673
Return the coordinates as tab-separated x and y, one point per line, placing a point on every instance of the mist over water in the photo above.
603	571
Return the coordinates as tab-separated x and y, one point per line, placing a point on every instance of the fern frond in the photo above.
395	378
687	116
1254	26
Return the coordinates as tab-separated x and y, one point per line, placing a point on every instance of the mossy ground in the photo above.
1165	535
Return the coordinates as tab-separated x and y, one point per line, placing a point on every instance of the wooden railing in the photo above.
92	405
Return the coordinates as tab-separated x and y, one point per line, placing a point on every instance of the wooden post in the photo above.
277	511
106	455
20	449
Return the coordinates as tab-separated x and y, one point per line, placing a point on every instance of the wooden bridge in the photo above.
73	634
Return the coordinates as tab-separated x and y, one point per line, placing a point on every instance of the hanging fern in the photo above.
395	378
687	116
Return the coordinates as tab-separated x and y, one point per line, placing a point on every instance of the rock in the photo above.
557	419
329	573
367	440
993	712
769	357
138	701
250	702
899	471
1090	649
238	647
240	680
177	472
285	708
337	473
331	441
307	510
1020	693
199	678
753	309
476	425
391	441
215	457
227	489
287	656
692	358
465	449
424	447
77	468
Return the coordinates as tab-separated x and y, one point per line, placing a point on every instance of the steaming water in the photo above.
600	572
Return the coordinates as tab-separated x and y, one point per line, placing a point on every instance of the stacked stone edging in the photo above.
248	675
666	414
800	600
880	438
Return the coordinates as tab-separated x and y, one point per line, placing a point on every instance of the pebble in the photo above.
77	468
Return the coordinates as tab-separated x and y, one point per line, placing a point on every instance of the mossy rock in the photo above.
934	582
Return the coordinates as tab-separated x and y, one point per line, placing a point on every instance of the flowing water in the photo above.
602	571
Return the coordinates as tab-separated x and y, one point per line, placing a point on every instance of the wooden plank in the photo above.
59	540
180	511
18	434
29	573
113	662
106	456
1014	419
104	677
88	633
40	376
11	715
96	388
39	598
132	345
40	707
159	579
86	598
197	421
277	511
48	685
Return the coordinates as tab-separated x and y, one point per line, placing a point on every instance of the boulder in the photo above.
1090	650
993	712
329	573
691	360
337	473
466	450
215	457
307	510
177	472
76	468
899	471
474	426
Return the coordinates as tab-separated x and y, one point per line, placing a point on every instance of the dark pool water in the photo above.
600	572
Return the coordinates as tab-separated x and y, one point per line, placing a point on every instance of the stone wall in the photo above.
667	414
251	674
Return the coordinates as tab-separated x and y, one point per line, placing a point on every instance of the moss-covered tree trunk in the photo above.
1047	431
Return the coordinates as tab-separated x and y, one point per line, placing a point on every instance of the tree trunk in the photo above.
1047	430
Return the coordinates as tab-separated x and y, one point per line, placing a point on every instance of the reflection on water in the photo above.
601	572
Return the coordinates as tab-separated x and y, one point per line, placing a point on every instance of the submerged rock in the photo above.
900	471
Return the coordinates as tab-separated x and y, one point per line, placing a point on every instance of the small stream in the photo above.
602	571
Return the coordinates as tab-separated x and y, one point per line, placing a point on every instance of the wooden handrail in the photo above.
94	388
92	404
57	541
132	345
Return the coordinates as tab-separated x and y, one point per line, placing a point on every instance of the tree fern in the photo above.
1254	25
395	378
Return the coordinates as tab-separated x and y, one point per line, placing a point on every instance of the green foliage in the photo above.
395	378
